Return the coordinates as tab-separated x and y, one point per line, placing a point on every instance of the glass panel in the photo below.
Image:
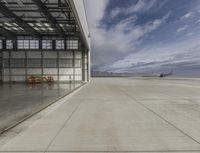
1	44
6	63
50	63
60	44
77	63
20	44
9	44
34	63
46	44
68	63
26	44
72	44
18	63
34	44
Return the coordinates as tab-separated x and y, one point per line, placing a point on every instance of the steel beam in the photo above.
8	13
43	8
8	34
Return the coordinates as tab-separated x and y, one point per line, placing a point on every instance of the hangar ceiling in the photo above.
37	18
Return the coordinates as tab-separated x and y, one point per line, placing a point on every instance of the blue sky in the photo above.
145	35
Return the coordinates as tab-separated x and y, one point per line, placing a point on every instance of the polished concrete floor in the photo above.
120	115
17	101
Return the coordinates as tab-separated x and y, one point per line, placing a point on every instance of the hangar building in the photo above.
44	38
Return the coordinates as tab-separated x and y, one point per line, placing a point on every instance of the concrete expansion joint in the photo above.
158	115
116	116
67	120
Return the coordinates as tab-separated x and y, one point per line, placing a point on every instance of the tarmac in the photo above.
119	115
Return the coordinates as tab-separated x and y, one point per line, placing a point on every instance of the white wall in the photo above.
34	71
33	54
18	54
78	7
49	54
5	54
19	71
19	74
50	71
67	54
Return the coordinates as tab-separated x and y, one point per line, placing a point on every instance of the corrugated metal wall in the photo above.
61	65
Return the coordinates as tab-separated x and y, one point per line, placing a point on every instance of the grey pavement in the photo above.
119	115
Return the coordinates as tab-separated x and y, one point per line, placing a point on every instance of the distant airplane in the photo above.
162	75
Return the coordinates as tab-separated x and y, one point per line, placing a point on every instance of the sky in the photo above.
145	36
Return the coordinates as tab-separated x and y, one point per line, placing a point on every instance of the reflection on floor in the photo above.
118	115
17	101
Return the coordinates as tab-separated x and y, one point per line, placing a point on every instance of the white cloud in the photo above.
95	11
189	34
115	48
187	15
113	44
153	58
115	12
140	6
110	45
185	27
198	21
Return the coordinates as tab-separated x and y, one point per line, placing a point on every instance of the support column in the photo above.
42	57
14	45
88	65
10	60
83	64
26	65
58	66
74	67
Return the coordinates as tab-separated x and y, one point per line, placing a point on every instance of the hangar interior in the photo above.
42	37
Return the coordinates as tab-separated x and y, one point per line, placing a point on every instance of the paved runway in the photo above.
120	115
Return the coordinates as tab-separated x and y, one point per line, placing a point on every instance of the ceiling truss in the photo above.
37	18
8	13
